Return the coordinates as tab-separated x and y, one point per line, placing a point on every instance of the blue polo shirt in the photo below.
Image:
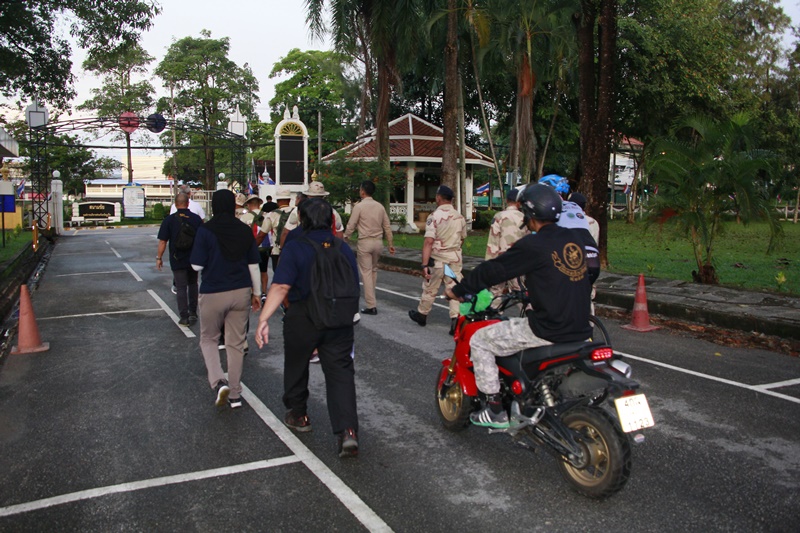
170	227
297	257
219	274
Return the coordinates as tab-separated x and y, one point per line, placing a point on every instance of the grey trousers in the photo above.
231	309
500	339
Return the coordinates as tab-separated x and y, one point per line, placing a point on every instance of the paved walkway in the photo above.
761	312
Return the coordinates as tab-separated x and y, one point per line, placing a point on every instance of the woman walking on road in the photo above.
226	253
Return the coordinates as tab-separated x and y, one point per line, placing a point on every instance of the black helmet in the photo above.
540	202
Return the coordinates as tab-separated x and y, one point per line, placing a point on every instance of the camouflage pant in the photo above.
430	287
501	339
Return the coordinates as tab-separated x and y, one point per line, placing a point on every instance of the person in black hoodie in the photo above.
226	253
553	263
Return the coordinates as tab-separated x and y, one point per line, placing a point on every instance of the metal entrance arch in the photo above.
40	170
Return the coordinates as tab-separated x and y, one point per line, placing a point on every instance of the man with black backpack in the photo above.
178	230
318	274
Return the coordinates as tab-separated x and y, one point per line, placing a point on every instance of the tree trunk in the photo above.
366	90
450	147
486	130
525	139
595	105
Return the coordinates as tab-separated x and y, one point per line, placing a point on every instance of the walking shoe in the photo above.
222	393
369	311
235	403
348	443
192	318
184	322
489	419
453	323
418	317
263	298
298	423
356	318
314	359
174	289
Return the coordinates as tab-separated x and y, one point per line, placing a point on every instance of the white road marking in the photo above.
62	254
778	384
145	484
101	314
113	250
135	275
410	297
90	273
186	331
350	499
755	388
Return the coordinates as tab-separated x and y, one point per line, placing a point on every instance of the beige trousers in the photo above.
369	252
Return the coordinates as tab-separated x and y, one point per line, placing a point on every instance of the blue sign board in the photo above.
8	204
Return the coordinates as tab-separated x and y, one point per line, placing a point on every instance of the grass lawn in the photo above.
741	258
14	244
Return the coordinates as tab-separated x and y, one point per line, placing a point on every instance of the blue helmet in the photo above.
559	183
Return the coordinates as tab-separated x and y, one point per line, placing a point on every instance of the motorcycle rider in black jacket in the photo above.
559	282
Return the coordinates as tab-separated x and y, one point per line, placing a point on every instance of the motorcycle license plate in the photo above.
634	413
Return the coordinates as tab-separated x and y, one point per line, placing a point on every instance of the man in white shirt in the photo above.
194	207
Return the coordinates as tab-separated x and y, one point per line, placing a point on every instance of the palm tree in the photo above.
706	170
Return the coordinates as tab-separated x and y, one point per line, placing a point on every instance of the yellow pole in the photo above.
35	238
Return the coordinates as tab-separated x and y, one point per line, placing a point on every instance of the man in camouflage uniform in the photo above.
506	229
445	231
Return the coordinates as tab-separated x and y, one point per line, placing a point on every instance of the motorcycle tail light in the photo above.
601	354
516	387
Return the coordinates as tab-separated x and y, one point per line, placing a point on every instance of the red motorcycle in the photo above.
575	400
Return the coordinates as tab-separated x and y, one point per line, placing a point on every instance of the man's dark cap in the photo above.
512	195
579	199
445	192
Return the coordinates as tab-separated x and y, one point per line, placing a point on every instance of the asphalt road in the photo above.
114	427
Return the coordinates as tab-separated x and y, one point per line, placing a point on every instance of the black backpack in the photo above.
333	300
185	239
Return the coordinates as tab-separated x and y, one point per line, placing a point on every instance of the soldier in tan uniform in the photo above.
369	218
445	231
507	228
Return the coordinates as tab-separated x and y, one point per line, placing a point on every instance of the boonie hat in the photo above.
316	189
283	194
252	197
241	199
445	192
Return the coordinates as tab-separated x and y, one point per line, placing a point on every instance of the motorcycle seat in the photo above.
530	356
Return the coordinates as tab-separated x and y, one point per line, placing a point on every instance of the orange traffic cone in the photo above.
641	318
27	331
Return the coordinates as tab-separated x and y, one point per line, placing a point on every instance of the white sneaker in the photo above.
315	360
356	318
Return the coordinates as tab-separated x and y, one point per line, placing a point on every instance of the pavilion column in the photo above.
411	171
468	198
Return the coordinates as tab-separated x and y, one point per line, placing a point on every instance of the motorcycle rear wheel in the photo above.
455	407
608	454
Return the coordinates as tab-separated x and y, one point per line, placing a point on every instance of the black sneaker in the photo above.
369	311
489	419
192	318
348	443
222	393
300	423
235	403
184	322
418	317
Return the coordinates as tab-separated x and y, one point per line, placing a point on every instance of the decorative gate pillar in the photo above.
291	152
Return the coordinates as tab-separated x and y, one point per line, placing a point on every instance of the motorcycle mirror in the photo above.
449	272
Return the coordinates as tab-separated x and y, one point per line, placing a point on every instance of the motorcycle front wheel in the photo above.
453	406
607	454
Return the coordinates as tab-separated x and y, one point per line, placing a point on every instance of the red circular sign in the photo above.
129	122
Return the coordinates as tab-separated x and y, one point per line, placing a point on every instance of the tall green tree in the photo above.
706	169
207	86
35	55
120	92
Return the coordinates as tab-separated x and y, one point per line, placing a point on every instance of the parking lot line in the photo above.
104	313
338	488
90	273
135	275
186	331
145	484
756	388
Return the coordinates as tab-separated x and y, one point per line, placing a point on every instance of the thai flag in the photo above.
260	180
627	189
250	188
20	188
483	189
270	181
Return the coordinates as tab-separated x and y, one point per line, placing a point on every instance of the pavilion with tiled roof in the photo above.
416	145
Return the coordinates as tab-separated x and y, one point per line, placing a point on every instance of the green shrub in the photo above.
483	219
159	211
